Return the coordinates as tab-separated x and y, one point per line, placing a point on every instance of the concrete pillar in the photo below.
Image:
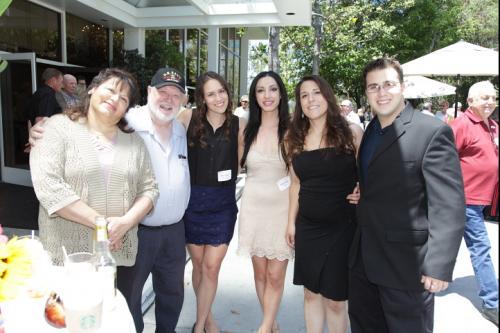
244	46
213	49
135	38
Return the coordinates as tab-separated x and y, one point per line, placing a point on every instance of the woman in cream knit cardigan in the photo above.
88	165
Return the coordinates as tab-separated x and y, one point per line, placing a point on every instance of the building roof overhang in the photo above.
163	14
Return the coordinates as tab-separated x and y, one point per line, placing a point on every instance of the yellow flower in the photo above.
15	267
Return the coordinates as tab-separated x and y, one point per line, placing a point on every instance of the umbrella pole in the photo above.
456	95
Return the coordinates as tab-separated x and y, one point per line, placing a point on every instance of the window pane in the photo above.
203	50
118	42
237	67
26	27
158	33
87	42
192	57
176	37
16	92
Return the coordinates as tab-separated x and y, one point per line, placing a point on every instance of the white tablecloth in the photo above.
26	314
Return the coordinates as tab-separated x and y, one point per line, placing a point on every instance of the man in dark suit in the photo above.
410	214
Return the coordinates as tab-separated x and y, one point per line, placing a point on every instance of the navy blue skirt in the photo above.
211	215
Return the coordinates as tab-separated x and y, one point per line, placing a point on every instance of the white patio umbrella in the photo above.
461	58
417	86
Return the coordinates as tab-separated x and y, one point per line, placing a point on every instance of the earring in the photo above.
302	115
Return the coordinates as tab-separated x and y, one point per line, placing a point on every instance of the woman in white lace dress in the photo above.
264	205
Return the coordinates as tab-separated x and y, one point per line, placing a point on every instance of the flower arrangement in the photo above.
15	265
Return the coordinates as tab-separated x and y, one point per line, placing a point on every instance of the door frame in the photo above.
9	174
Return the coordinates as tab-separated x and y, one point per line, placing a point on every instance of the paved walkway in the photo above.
236	306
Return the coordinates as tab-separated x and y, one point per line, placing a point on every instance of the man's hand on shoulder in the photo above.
36	132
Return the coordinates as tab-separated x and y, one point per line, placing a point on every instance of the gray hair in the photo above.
479	87
348	101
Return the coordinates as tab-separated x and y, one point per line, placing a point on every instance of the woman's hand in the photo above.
290	235
353	198
117	228
119	225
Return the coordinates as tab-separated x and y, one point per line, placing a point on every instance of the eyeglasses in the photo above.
386	86
345	106
244	101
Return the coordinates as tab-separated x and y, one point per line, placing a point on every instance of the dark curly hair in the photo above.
255	118
338	133
104	75
197	135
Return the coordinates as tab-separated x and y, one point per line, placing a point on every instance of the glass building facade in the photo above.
34	37
193	45
27	27
86	43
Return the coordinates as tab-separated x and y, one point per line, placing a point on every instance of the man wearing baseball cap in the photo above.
161	249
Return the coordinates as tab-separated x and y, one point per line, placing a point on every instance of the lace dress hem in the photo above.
264	253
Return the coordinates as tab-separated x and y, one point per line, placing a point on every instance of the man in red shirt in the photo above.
476	138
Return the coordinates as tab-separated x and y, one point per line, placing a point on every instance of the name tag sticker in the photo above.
283	183
224	175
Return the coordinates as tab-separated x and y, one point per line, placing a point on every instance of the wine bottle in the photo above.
104	263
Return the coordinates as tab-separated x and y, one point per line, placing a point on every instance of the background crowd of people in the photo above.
371	210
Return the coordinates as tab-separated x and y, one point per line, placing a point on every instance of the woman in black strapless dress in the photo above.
321	148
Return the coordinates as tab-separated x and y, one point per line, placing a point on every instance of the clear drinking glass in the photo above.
82	295
78	263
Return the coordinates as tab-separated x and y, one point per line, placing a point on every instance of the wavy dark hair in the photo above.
338	133
197	135
124	77
255	118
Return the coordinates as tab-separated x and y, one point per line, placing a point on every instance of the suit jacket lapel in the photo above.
394	132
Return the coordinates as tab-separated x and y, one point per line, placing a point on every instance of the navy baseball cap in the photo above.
168	77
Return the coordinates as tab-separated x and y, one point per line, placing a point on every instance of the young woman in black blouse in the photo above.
213	136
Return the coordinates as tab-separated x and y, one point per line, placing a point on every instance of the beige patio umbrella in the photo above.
459	59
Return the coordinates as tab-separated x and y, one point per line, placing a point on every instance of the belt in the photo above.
157	226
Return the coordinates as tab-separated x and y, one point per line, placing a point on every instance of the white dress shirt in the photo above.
242	113
352	117
170	166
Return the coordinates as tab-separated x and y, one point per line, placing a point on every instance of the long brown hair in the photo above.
197	135
81	110
338	133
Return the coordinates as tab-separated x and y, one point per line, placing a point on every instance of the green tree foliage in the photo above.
135	63
259	58
357	31
159	52
479	22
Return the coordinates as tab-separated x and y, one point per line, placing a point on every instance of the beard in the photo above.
158	114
